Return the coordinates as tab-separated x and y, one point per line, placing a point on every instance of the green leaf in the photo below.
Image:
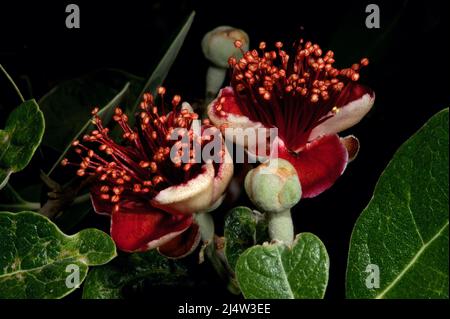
404	229
162	69
35	254
109	281
243	229
275	271
20	139
67	107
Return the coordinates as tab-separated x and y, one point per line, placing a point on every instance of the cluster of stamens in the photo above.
291	92
141	165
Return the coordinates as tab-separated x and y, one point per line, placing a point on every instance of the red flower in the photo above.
150	194
306	98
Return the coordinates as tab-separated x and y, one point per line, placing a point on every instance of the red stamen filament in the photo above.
294	93
141	165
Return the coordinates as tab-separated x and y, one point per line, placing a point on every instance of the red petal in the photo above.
183	244
138	226
101	206
229	104
351	143
319	164
355	105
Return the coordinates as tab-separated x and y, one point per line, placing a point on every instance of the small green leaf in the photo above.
275	271
163	67
20	139
108	282
35	254
403	232
243	229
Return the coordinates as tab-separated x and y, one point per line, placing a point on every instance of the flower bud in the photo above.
218	45
273	186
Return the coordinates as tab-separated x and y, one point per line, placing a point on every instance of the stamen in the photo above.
294	94
141	165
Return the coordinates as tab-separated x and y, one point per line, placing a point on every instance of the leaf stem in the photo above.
206	228
12	83
22	206
81	199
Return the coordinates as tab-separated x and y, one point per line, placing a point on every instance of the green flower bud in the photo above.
218	45
273	186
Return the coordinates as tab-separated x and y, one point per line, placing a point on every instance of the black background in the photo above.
409	72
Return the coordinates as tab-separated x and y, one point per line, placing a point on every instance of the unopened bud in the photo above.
273	186
218	45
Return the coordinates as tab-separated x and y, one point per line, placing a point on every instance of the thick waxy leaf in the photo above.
399	246
110	281
20	139
163	67
244	228
38	261
274	271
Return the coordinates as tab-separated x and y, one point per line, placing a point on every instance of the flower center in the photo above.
142	164
294	94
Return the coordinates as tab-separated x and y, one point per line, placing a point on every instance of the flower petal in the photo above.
183	244
351	143
102	207
223	175
229	112
357	105
188	198
318	165
137	226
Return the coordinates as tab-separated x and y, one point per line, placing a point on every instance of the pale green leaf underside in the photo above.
404	229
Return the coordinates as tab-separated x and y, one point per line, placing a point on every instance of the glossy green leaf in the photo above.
275	271
20	139
109	281
163	67
243	229
37	259
402	235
